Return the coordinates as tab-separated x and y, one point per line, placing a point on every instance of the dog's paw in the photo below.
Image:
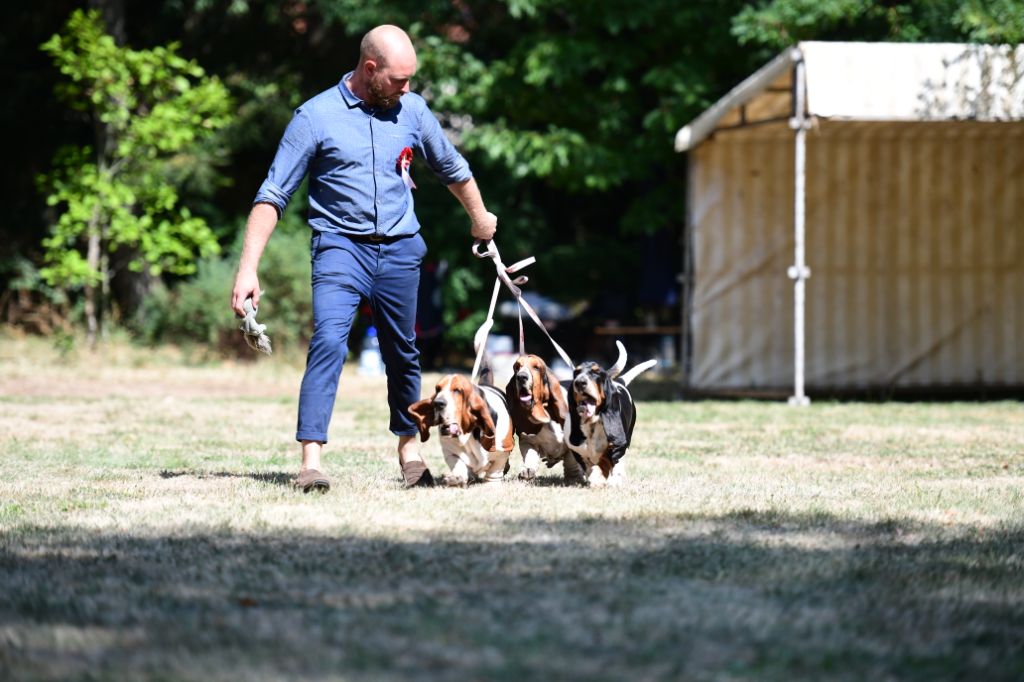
454	481
527	474
596	479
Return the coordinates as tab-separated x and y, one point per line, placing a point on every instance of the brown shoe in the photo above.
311	479
416	474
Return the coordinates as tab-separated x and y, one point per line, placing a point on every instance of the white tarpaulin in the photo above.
875	82
914	82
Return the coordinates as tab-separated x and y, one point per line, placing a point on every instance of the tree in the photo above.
778	23
151	110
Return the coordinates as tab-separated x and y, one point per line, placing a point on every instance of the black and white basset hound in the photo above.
474	425
539	410
602	416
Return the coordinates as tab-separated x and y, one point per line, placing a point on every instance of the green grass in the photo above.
148	532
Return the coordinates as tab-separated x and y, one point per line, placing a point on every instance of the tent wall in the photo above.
915	240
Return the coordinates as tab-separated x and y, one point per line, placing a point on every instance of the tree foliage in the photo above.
150	109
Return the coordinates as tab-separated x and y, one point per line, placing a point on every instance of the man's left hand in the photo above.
485	226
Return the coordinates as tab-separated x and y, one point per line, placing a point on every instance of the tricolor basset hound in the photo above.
474	425
602	416
540	412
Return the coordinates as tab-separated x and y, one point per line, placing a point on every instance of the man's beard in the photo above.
376	97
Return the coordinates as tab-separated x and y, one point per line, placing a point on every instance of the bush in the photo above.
196	312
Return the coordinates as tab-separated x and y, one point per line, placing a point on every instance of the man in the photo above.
356	141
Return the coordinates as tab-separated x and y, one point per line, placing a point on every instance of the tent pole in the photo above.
799	272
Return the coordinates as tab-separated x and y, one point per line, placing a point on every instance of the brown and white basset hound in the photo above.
602	416
474	426
540	412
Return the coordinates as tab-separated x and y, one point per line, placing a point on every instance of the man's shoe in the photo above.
311	479
417	475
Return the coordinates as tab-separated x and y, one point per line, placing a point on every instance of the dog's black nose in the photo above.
523	375
580	382
440	403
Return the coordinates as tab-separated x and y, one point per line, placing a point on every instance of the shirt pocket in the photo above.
396	138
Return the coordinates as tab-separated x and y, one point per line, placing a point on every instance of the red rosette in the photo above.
405	159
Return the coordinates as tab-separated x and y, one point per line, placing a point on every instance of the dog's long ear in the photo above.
617	417
423	412
575	432
515	408
541	395
480	412
556	403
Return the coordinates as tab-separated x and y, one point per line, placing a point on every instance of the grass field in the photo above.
148	532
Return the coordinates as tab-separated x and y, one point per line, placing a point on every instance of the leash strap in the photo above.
480	339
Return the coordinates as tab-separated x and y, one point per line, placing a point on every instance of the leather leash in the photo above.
480	338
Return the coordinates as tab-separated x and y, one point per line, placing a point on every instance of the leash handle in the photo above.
490	250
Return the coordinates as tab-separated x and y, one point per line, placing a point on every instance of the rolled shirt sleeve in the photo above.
291	162
438	151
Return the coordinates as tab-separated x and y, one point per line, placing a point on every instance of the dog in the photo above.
602	416
539	411
474	426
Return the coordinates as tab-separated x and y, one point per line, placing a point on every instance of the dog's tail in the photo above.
620	364
637	371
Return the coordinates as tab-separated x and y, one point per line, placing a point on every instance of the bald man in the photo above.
356	142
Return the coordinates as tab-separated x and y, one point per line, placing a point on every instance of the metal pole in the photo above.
799	272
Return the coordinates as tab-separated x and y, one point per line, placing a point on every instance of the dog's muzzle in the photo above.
525	389
453	430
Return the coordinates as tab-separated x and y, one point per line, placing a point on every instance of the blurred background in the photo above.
137	134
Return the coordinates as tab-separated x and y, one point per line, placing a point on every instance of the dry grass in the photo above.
148	532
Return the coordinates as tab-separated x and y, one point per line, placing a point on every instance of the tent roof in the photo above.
875	82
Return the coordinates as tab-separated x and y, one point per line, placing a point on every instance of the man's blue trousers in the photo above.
346	270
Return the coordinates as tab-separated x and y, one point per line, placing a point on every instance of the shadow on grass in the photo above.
274	477
287	480
749	595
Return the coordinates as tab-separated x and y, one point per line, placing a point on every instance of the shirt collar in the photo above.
346	93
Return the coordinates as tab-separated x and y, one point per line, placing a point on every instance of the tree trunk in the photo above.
113	17
97	298
92	319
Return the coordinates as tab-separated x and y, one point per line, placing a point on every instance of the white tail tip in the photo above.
620	364
637	371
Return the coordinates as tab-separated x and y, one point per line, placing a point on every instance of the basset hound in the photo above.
474	426
602	416
540	412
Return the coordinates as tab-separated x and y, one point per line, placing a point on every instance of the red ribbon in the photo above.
404	162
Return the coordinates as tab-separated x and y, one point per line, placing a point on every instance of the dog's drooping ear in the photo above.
480	412
575	432
618	418
555	401
541	392
423	412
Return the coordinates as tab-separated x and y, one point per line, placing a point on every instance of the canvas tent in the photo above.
856	222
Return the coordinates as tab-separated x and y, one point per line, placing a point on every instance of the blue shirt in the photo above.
351	152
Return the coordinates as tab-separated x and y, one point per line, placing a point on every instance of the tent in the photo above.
856	223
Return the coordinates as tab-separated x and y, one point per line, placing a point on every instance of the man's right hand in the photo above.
247	285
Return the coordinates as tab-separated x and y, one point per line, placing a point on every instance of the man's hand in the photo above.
485	226
258	229
247	284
